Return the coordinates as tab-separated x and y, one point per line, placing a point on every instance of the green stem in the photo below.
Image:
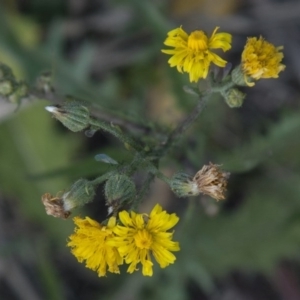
143	191
163	177
184	126
222	87
102	178
127	140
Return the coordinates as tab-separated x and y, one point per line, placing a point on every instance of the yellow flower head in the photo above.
90	243
138	238
261	59
192	53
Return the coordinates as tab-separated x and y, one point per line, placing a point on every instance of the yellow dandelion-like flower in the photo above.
261	59
192	53
90	243
137	239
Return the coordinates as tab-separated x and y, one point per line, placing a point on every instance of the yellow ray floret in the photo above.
261	59
192	53
89	243
142	236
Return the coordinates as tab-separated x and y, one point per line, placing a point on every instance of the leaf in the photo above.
106	159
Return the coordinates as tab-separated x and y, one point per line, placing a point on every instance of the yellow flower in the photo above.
90	243
261	59
138	238
192	53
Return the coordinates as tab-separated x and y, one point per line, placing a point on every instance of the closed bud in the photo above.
72	114
234	97
20	92
6	87
119	190
80	193
183	186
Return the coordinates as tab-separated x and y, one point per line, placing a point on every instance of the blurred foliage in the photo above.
255	228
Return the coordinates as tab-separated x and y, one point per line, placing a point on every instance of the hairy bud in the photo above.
234	97
119	190
72	114
80	193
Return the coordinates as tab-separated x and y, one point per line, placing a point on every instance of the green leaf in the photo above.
106	159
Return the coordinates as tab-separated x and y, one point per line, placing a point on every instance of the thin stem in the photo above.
104	114
127	140
164	178
143	191
102	178
181	128
155	171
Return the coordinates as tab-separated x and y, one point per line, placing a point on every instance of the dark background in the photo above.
108	53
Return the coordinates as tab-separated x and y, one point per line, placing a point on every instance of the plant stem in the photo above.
181	128
143	191
115	131
102	178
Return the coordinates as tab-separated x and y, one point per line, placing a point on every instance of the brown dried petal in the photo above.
212	181
54	206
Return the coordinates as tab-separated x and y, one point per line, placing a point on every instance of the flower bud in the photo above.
183	186
72	114
234	97
6	87
119	190
20	92
80	193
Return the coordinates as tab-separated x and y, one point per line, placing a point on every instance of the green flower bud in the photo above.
119	190
6	87
80	193
234	97
20	92
183	186
240	78
72	114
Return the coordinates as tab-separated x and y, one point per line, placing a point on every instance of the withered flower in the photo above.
212	181
81	192
54	206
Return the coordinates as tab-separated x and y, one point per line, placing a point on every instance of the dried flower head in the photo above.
192	53
212	181
261	59
55	206
81	192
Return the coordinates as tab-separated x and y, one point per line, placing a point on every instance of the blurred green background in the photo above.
108	53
